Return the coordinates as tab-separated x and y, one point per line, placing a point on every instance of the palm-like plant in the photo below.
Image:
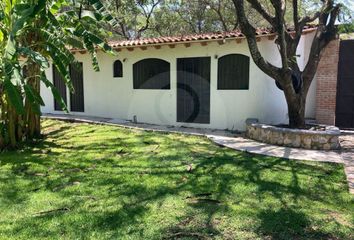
34	34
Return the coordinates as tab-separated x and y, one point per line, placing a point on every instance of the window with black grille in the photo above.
117	69
233	72
151	73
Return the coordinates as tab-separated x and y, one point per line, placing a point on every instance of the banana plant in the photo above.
33	35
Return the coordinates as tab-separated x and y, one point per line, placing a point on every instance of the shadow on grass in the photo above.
126	183
288	224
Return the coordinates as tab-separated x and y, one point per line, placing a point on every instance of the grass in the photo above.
101	182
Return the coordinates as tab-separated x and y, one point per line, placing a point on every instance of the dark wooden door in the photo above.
193	90
345	87
60	85
77	98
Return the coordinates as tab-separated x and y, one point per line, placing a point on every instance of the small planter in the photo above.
327	138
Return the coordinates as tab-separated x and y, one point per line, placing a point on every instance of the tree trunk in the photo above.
2	120
296	107
296	111
33	110
11	115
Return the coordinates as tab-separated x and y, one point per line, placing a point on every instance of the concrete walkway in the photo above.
248	145
141	126
345	157
236	141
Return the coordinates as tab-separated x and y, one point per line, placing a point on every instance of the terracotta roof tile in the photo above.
177	39
194	38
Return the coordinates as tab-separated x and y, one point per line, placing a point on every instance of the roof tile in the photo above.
194	37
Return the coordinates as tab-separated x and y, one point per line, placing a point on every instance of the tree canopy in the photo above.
147	18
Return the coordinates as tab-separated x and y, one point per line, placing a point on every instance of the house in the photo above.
204	81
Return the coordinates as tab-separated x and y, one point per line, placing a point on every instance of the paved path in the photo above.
347	143
348	158
248	145
237	142
345	157
142	126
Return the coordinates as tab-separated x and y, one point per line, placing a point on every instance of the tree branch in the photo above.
260	9
191	24
283	36
296	15
250	32
299	27
147	16
326	32
218	11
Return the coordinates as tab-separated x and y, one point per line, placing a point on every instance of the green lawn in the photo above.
101	182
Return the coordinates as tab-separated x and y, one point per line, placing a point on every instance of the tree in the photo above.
180	17
294	82
151	18
202	15
346	17
34	34
133	18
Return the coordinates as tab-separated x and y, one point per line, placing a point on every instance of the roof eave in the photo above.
305	31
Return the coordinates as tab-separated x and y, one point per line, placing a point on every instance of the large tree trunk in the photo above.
296	111
296	105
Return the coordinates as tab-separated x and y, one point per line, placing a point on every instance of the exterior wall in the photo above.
326	79
106	96
304	52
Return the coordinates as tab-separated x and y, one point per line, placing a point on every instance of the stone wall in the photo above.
326	139
326	79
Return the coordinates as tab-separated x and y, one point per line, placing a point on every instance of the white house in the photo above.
204	81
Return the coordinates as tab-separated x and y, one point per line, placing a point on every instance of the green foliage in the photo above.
346	28
103	182
13	95
170	17
55	92
53	31
151	18
36	33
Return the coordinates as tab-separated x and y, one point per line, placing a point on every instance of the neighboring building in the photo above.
205	81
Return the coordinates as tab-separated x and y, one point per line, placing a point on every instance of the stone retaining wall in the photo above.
327	139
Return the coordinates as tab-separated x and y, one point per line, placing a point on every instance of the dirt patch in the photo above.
203	198
340	219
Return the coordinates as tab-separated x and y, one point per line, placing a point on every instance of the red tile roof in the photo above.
194	38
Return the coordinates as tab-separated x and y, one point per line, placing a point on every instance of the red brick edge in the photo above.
326	79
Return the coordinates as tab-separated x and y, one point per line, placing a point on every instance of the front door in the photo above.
193	90
60	86
77	98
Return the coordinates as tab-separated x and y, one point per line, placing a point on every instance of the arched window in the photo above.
117	69
151	73
233	72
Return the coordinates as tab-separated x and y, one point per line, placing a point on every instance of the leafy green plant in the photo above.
35	34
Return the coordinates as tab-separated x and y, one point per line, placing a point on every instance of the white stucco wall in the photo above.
106	96
306	43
